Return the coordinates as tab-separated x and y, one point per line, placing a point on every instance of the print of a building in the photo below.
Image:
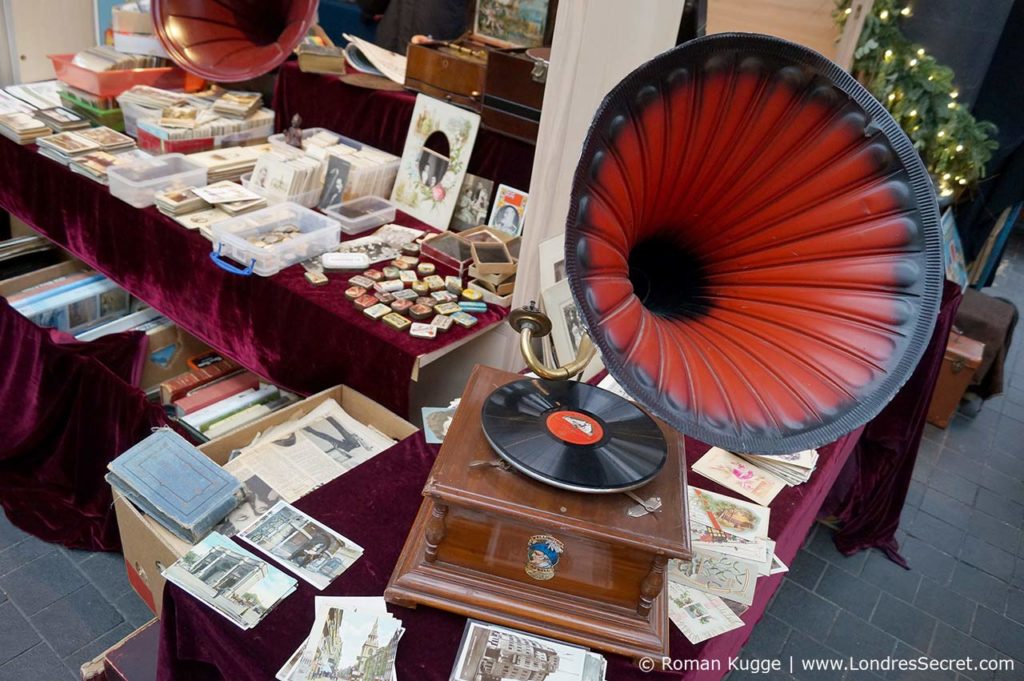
502	656
226	577
376	660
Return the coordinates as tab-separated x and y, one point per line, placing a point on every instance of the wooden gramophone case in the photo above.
457	71
470	550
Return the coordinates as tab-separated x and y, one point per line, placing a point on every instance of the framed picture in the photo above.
473	204
523	23
509	212
551	260
567	327
429	181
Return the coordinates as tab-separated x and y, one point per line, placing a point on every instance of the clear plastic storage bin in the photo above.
360	215
136	183
266	241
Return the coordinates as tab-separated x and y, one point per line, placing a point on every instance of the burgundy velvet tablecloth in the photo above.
67	408
868	499
302	338
299	337
381	119
374	505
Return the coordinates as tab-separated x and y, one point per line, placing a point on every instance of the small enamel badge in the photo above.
542	555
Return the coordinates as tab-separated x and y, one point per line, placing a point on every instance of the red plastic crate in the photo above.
113	83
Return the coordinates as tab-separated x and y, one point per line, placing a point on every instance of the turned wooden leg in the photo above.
651	587
435	531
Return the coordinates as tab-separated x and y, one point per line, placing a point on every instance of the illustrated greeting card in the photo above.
429	181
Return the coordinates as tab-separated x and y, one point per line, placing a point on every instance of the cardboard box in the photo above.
169	346
8	287
169	349
492	258
149	548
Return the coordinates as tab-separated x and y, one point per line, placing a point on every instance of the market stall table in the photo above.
381	118
381	498
301	338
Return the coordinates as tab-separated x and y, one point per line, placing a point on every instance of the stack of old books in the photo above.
218	396
175	484
22	128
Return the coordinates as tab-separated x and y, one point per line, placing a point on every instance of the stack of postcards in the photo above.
356	635
22	127
731	549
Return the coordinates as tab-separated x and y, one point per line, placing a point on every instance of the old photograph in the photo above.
493	653
257	499
310	550
229	579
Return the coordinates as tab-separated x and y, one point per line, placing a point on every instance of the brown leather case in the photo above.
512	97
134	658
963	355
443	74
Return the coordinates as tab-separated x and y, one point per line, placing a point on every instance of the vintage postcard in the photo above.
107	138
474	201
734	516
509	212
699	615
707	537
304	546
371	604
362	642
716	574
225	192
234	582
518	655
202	219
741	476
435	423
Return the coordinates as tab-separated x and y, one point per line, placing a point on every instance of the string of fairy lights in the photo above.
921	95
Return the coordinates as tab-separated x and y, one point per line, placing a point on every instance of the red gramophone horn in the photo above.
754	244
231	40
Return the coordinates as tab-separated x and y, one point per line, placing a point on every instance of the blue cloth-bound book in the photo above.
175	484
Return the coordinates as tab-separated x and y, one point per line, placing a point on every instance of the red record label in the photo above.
574	427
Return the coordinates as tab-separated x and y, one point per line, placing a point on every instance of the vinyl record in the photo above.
573	435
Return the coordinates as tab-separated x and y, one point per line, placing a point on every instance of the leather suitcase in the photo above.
963	355
455	72
515	92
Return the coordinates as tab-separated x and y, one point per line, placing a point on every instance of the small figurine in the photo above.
293	135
